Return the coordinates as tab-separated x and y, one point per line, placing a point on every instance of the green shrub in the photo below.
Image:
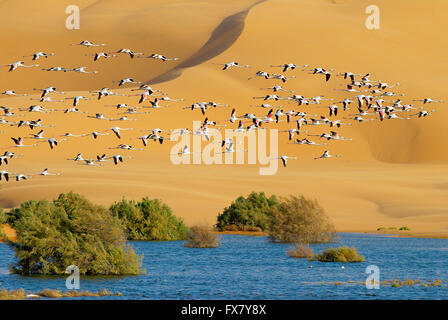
12	294
201	237
300	251
3	217
297	219
409	282
149	220
405	229
16	213
252	211
435	283
51	293
71	231
340	254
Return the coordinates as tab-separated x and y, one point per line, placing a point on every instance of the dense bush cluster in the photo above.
52	235
149	220
340	254
251	213
71	231
297	219
291	220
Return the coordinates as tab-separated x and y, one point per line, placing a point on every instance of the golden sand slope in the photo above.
8	232
393	173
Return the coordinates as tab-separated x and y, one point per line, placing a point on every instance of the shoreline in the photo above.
11	234
398	234
403	234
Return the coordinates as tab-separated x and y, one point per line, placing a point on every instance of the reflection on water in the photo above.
253	268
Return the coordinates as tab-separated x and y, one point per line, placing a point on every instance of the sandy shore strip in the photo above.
11	233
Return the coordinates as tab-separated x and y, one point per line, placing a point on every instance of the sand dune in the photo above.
224	35
393	173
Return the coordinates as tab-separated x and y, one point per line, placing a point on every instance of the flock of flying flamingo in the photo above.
370	100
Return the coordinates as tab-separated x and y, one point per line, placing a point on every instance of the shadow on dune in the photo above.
220	40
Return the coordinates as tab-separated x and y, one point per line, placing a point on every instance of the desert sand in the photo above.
393	173
9	232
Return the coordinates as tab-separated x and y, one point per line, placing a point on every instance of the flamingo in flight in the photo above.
308	142
48	90
231	64
281	77
326	155
99	55
348	75
56	69
87	43
40	54
423	113
46	173
126	147
19	142
260	73
131	53
289	66
285	159
83	70
12	93
76	99
157	56
428	100
278	88
126	80
13	66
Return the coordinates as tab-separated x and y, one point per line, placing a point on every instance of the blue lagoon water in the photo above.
246	267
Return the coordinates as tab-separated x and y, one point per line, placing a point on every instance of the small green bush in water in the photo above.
149	220
250	212
201	237
297	219
300	251
71	231
340	254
